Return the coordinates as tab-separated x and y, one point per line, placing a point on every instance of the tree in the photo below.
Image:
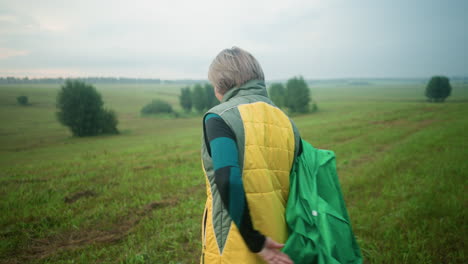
278	94
198	98
298	95
210	98
157	106
185	99
438	89
80	107
22	100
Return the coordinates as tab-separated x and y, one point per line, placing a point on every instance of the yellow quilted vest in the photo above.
266	140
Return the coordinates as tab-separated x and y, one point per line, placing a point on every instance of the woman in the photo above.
248	150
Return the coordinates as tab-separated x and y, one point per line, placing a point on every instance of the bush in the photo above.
81	109
22	100
438	89
314	107
156	106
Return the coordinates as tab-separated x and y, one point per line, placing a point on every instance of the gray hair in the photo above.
232	68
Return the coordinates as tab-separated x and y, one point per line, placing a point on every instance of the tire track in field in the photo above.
387	147
46	247
74	240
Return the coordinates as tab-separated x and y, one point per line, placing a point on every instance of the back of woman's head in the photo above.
232	68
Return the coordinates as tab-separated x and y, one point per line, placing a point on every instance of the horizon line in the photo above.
204	79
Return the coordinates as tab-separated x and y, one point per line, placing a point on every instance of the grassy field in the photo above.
138	197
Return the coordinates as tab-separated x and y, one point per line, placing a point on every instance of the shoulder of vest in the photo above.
236	101
221	108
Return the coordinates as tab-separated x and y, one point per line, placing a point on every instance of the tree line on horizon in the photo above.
199	98
81	108
131	80
294	96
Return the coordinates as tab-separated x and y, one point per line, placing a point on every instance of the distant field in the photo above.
138	197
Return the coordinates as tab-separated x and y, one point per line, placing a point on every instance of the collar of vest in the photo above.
252	87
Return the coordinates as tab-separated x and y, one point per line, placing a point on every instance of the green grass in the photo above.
138	197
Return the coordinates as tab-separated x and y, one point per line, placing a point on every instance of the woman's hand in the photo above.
271	253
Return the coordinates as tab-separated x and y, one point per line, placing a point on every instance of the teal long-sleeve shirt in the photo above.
222	146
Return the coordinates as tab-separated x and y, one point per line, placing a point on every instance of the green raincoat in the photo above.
318	222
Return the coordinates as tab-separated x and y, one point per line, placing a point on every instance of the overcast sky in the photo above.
179	38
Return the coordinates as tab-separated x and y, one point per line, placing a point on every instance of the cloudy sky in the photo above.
171	39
